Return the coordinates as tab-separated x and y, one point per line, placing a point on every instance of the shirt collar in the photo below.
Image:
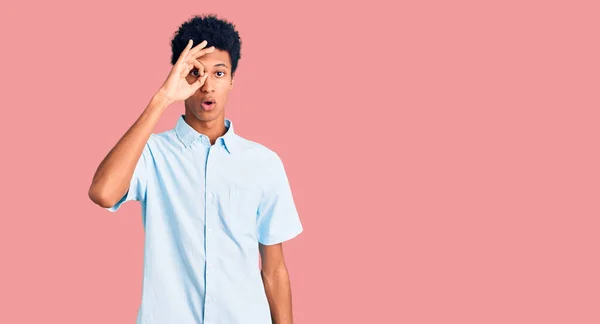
188	135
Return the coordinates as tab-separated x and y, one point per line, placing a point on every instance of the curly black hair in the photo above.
218	32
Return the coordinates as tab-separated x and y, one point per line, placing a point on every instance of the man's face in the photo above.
216	88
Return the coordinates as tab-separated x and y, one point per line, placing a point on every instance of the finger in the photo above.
184	53
185	71
186	68
201	52
200	67
198	47
199	83
189	66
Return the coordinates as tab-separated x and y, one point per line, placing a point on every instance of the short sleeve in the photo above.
278	219
139	180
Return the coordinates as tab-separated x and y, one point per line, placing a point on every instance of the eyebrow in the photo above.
221	64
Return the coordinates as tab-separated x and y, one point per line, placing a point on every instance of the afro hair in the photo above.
219	33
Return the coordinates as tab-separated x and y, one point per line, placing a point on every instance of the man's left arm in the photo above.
277	283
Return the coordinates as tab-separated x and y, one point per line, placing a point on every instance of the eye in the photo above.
194	72
221	72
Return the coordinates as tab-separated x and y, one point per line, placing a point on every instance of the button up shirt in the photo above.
205	208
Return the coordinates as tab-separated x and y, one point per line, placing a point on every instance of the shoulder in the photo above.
260	163
163	140
267	165
257	151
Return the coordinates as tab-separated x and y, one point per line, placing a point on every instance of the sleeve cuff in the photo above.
128	196
275	239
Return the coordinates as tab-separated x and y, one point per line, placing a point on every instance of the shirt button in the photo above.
210	196
210	265
209	230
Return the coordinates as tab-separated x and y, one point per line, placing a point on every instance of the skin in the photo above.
215	67
276	281
213	79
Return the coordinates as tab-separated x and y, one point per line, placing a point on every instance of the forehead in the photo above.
215	57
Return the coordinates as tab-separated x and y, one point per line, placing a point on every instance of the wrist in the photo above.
161	99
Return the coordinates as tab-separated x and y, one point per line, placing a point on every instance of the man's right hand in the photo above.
113	176
176	87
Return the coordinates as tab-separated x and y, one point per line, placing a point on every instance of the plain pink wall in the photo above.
443	155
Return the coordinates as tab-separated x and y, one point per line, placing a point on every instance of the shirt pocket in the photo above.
243	206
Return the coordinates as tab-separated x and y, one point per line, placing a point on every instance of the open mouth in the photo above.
208	104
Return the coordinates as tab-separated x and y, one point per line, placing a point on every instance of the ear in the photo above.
232	81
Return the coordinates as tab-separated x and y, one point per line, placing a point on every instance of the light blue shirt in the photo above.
205	208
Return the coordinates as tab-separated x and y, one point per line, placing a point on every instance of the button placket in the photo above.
211	207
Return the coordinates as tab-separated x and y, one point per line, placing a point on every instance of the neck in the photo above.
211	128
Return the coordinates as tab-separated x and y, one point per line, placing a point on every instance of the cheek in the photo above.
190	79
224	86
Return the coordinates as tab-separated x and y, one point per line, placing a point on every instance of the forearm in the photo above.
278	290
114	173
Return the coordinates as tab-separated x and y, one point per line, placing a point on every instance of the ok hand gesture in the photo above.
176	87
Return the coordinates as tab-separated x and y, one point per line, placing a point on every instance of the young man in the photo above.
212	201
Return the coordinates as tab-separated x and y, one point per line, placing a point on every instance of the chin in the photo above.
204	115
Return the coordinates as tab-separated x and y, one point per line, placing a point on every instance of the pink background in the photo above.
443	156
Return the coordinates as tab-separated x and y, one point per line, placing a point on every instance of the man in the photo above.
212	201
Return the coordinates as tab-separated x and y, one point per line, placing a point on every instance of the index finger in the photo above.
198	47
199	53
